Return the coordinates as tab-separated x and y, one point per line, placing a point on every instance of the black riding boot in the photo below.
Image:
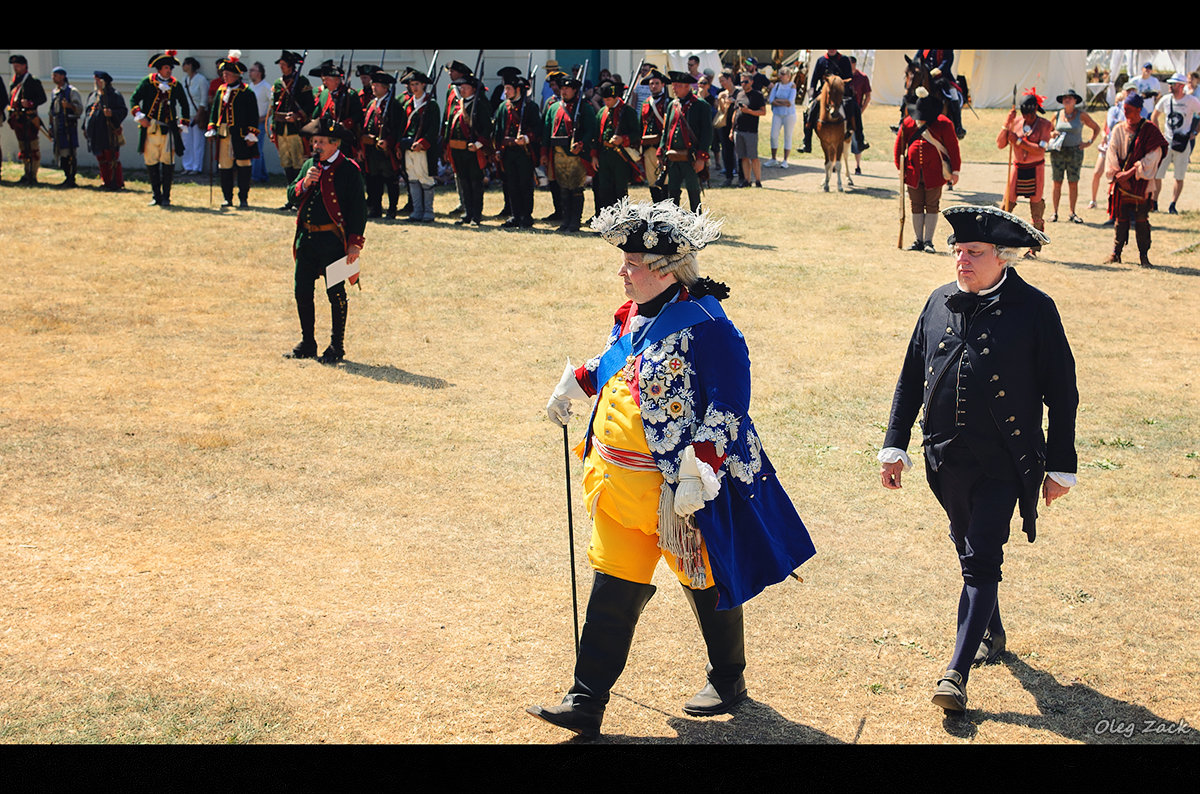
612	614
1141	231
167	177
243	180
724	638
155	174
226	186
338	308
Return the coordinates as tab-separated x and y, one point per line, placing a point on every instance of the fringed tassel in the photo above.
678	536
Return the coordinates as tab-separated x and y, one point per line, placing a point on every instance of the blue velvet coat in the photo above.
693	386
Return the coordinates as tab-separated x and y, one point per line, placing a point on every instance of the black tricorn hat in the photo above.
466	79
156	61
289	57
681	77
382	77
365	68
654	74
326	69
458	66
21	59
567	81
508	71
990	225
413	74
327	127
610	90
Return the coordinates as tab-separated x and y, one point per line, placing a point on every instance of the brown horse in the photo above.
832	130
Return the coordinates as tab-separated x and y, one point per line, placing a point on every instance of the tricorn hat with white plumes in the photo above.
656	228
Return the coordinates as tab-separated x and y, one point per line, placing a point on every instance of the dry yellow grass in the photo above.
203	542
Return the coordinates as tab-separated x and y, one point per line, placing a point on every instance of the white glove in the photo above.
689	494
251	138
209	133
559	406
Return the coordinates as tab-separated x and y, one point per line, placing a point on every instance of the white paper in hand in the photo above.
339	271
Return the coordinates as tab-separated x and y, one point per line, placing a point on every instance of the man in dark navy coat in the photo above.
987	352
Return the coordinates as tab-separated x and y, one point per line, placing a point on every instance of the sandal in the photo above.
1054	218
1075	218
951	692
1091	205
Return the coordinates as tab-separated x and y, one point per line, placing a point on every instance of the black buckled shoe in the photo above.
303	350
709	701
332	355
951	692
583	719
990	648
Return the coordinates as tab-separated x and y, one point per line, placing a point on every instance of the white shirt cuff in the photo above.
1065	479
893	454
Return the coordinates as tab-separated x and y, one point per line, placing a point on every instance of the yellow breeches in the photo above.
623	502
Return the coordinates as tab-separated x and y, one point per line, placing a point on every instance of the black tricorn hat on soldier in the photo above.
681	77
365	68
458	66
382	77
517	81
289	57
414	76
326	69
974	224
158	60
567	81
507	72
611	90
654	74
21	59
232	63
466	79
327	127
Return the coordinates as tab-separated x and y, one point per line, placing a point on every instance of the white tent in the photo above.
991	74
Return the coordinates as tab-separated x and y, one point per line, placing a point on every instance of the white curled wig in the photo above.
667	235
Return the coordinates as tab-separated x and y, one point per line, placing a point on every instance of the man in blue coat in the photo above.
673	467
987	352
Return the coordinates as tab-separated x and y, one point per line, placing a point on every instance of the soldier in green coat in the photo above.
617	156
160	138
570	138
686	141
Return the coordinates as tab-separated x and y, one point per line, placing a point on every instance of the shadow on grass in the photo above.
751	723
1079	713
390	374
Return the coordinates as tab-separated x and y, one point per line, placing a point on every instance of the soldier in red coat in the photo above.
927	152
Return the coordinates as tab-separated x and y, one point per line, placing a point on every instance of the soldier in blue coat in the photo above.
987	352
673	466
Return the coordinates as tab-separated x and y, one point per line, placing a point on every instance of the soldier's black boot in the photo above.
155	174
612	614
338	307
575	212
556	196
226	186
306	309
393	192
244	173
725	640
290	174
167	177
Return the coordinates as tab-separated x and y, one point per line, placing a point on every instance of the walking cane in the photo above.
571	538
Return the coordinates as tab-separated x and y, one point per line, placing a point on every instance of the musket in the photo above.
578	100
431	75
903	166
633	83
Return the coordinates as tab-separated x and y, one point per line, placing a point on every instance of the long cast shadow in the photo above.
1079	713
390	374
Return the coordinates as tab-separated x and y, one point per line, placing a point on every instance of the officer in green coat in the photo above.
330	222
571	136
